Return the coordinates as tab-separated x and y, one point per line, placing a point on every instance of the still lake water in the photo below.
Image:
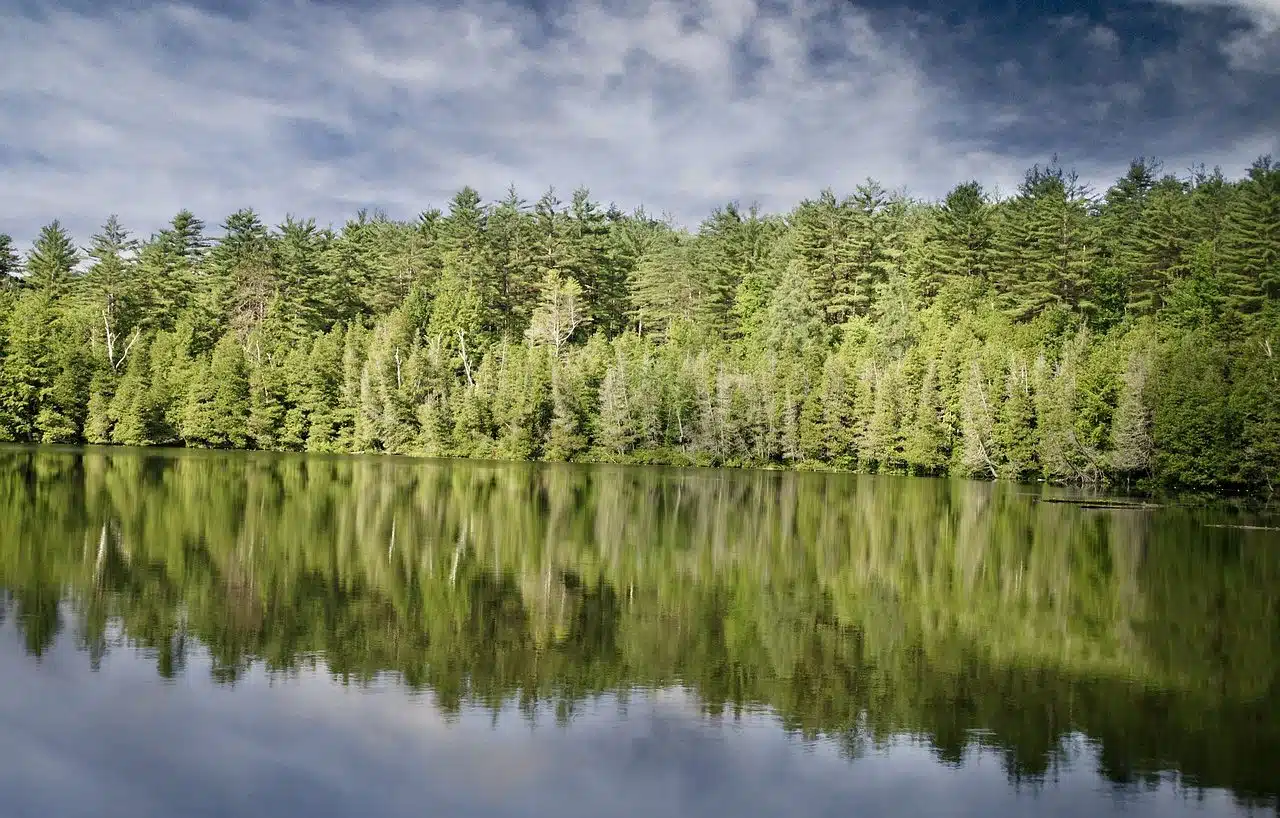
271	635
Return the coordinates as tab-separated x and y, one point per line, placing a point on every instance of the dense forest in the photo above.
1056	333
852	608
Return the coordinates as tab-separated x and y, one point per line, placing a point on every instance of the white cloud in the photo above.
1256	48
318	110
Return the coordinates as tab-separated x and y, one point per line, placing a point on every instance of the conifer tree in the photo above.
10	264
959	244
1042	337
26	368
245	281
1251	251
51	262
1131	444
112	290
171	269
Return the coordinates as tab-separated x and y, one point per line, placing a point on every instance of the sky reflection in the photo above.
123	742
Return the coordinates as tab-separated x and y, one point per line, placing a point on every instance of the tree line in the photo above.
1055	333
852	608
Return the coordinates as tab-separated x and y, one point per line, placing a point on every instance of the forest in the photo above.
1058	333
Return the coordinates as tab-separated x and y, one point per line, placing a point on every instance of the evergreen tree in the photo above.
10	264
1045	245
1131	444
1043	337
244	279
959	245
312	294
51	262
1251	251
171	267
26	370
112	290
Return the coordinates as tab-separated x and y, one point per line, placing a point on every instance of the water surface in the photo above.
202	633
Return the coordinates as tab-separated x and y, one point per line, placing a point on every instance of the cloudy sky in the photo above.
321	108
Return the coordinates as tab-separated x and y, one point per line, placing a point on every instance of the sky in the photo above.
318	109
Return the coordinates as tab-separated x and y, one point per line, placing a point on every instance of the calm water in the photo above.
234	634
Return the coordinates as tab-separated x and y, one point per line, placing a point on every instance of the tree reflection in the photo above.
854	608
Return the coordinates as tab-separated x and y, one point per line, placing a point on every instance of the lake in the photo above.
204	633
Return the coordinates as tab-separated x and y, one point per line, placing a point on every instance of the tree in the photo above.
244	278
925	448
559	313
670	290
312	293
959	244
171	269
27	366
10	264
1045	336
51	261
1191	422
1131	444
111	287
821	242
1251	252
217	401
1045	245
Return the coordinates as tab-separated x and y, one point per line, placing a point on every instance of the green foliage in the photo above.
51	261
1051	335
10	264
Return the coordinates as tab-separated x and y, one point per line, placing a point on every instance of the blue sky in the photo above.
320	108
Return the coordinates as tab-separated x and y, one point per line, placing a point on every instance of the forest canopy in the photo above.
1058	333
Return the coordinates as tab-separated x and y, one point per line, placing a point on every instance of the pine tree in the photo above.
1045	245
513	241
217	404
793	322
1191	423
613	432
925	448
670	291
820	242
10	264
594	262
112	290
1253	401
171	269
241	268
130	416
977	425
312	294
863	245
98	423
566	434
1251	251
1162	252
27	369
1131	444
51	262
267	397
959	245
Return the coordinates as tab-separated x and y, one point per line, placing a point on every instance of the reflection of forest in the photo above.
854	607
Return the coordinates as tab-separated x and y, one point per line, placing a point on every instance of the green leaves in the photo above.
1038	337
51	261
